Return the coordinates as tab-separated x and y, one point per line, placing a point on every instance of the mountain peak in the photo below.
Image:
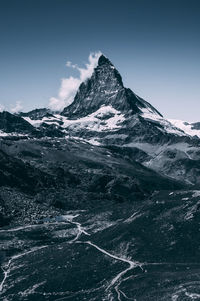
104	60
104	88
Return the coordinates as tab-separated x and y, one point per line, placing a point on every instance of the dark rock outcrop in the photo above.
10	123
37	114
105	87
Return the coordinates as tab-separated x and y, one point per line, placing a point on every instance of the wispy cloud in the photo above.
2	107
17	107
70	85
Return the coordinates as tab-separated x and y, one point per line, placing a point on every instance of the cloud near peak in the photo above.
2	107
70	85
17	107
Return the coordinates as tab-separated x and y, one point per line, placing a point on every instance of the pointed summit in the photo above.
104	88
104	60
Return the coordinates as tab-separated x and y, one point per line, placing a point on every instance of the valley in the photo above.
100	201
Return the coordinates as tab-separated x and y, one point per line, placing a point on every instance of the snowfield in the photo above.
186	127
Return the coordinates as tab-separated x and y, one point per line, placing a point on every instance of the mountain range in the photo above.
109	184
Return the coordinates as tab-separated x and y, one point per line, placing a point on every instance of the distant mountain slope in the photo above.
10	123
105	113
100	201
37	114
192	129
74	175
15	173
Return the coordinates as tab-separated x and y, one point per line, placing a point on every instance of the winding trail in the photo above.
116	279
19	228
132	264
114	283
80	231
7	268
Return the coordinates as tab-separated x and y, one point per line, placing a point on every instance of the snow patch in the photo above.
196	194
94	141
104	119
4	134
94	121
169	127
186	127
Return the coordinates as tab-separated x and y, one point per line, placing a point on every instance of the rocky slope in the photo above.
106	113
57	173
105	88
11	124
100	201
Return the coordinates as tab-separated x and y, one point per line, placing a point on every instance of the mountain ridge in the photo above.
99	201
105	87
105	113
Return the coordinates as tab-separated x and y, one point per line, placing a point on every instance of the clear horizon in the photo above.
155	47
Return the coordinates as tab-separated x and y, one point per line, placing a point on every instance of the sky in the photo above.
155	45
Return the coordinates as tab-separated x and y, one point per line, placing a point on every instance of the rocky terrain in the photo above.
100	201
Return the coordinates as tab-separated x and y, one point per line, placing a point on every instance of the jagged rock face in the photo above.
66	174
105	87
37	114
103	109
10	123
20	125
106	113
196	126
15	173
104	216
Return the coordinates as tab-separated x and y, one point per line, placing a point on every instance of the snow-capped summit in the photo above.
106	113
105	88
